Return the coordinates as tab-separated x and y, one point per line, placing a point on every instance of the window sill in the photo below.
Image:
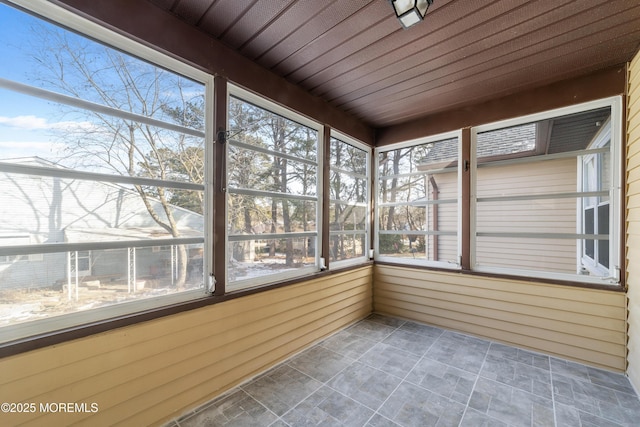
22	345
614	288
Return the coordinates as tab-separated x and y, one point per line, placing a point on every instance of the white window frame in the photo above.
592	264
367	232
613	278
449	264
77	257
261	102
92	30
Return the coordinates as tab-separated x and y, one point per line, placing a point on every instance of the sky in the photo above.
33	127
25	122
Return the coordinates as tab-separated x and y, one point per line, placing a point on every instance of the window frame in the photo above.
345	139
613	280
593	264
319	263
448	265
88	29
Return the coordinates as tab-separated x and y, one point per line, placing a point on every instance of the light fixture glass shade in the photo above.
410	12
403	6
410	18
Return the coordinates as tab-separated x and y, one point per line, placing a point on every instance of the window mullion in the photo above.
465	198
325	207
218	245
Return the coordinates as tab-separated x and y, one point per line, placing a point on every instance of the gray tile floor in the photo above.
385	371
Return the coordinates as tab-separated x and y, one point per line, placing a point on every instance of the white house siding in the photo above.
28	272
633	221
55	210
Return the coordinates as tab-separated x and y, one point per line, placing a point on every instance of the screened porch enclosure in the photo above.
76	244
537	186
542	193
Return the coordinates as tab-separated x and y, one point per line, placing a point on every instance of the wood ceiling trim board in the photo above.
453	101
569	65
211	5
192	10
498	86
505	46
604	83
222	16
251	23
443	54
340	54
321	25
280	29
202	51
440	67
165	4
446	24
526	67
550	54
357	27
379	50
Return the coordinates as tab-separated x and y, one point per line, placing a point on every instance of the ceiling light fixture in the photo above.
410	12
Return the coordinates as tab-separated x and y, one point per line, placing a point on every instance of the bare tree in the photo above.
90	71
268	172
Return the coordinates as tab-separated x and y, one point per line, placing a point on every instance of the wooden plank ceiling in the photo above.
355	54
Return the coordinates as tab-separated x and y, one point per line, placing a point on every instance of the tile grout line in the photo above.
286	362
405	377
359	359
475	383
553	394
325	383
322	384
375	411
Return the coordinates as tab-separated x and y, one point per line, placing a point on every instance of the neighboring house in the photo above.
499	181
49	210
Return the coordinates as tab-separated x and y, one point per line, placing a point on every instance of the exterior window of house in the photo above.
16	239
273	192
547	195
102	160
418	217
596	180
349	197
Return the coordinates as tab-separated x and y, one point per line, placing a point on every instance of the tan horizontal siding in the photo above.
580	324
551	254
633	188
529	224
633	135
633	171
633	202
531	216
147	373
633	221
554	176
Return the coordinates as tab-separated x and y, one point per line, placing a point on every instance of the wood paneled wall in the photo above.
149	373
574	323
633	220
